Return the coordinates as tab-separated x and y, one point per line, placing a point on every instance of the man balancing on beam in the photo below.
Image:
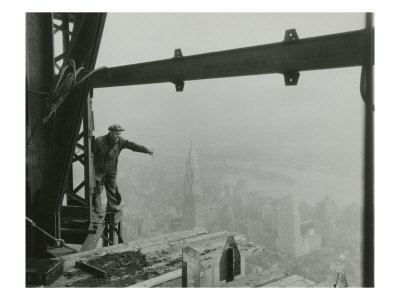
106	150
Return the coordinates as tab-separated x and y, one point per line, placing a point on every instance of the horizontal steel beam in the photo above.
331	51
74	213
70	194
77	231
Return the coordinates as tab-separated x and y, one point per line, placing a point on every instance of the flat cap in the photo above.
115	127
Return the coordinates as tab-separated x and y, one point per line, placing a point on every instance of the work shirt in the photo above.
106	152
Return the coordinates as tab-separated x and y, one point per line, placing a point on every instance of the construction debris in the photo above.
122	269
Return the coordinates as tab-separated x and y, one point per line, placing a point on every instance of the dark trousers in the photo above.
108	180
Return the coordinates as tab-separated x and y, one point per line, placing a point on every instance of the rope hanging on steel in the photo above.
65	82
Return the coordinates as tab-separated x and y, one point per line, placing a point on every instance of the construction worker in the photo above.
106	150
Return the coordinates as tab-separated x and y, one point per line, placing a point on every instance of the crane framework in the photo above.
65	139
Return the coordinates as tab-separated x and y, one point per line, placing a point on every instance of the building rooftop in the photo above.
157	262
148	258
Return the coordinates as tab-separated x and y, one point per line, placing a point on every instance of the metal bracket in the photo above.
179	85
363	84
178	54
291	35
291	78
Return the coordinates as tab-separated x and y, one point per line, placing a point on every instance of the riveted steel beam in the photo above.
292	55
39	78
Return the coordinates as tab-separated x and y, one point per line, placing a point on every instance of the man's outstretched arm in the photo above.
135	147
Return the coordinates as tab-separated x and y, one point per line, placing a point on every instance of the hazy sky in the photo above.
320	116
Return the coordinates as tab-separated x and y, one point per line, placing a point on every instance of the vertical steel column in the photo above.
66	124
65	32
65	42
109	235
65	45
111	232
70	200
105	234
86	161
88	127
39	78
119	233
368	216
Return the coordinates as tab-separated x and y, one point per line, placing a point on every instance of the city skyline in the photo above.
323	229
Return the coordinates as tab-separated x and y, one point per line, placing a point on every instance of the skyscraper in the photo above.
240	199
327	214
298	239
193	197
288	227
269	213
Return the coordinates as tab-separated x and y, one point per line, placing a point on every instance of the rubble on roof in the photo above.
157	255
157	262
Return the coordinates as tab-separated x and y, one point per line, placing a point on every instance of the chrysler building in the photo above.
192	201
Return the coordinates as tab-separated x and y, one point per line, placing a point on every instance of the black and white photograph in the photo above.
199	150
208	145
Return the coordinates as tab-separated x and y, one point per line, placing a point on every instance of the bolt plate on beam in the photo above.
179	85
291	78
178	53
291	35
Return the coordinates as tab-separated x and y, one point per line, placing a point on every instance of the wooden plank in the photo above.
92	239
145	245
258	280
291	281
159	279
